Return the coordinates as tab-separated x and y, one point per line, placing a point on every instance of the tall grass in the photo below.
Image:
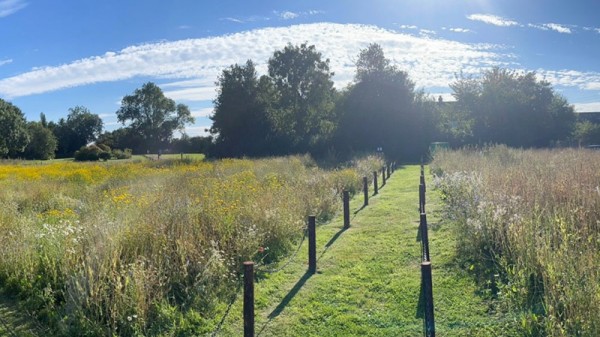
151	248
530	229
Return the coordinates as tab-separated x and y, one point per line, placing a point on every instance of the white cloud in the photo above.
597	30
233	20
552	26
492	20
460	30
408	27
8	7
572	78
184	27
204	112
287	15
194	131
191	66
427	32
587	107
3	62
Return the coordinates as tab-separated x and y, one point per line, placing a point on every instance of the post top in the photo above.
248	263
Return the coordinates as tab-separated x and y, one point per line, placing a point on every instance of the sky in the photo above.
56	55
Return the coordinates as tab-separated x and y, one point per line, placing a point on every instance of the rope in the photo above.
289	261
220	325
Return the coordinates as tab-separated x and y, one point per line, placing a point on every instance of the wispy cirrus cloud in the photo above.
8	7
189	68
460	30
587	107
493	20
584	80
288	15
552	26
7	61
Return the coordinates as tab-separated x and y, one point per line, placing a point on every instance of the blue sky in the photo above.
59	54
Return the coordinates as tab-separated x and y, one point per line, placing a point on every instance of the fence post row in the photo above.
346	209
375	188
366	191
312	245
428	294
248	299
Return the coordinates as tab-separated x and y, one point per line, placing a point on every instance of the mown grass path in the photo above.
368	279
13	323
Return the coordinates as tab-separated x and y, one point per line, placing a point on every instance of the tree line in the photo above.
295	108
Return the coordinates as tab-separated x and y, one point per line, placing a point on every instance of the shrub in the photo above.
88	153
121	154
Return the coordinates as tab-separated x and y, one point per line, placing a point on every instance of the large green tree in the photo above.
80	128
42	144
303	111
240	122
13	130
153	116
381	109
512	108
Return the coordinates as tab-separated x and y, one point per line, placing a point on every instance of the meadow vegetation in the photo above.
529	230
152	248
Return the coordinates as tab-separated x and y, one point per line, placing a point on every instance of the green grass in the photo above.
368	279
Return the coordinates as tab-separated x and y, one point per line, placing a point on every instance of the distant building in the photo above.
593	117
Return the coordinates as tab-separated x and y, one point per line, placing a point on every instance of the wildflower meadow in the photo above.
152	248
529	225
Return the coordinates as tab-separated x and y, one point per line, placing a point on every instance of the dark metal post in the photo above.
427	284
389	171
249	299
312	245
366	190
424	237
346	209
421	198
382	176
375	187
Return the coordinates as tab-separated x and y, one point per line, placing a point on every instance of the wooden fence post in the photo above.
249	299
366	190
312	245
424	237
346	209
375	187
389	171
427	284
383	176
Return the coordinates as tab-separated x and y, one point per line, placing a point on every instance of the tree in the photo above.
42	144
382	109
13	130
80	128
504	106
586	133
153	116
303	111
240	122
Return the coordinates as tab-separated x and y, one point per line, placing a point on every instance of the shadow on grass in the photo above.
290	295
360	209
335	237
